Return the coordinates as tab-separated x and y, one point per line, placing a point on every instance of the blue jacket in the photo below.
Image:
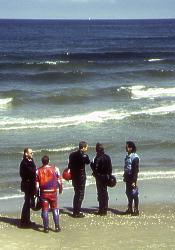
131	167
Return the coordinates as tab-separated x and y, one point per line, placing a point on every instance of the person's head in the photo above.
28	153
45	160
130	147
99	148
83	146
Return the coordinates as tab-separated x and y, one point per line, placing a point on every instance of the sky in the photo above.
84	9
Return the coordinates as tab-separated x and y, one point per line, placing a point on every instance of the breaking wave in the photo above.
96	117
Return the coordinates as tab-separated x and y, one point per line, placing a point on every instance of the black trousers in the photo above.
131	198
79	189
28	200
102	195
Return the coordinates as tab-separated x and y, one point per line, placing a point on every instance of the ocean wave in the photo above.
8	197
59	121
149	175
68	56
53	62
69	75
5	101
139	92
55	150
47	76
33	65
81	95
64	96
155	60
96	117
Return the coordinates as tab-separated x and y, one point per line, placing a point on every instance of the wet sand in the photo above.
154	228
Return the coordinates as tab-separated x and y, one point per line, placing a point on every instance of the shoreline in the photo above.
150	191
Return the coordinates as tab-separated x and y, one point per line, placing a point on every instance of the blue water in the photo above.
62	81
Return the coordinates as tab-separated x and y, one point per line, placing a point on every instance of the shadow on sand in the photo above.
69	211
93	210
17	223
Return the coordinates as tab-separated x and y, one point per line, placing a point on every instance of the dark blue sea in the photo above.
109	81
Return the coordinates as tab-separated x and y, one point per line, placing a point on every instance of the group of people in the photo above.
43	182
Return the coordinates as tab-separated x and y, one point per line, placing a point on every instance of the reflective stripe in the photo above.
48	190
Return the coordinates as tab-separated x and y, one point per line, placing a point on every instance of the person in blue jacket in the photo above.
131	169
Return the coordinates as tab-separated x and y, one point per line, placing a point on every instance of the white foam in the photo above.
148	175
11	197
55	62
155	59
49	62
60	121
9	123
157	175
5	101
139	92
56	150
158	110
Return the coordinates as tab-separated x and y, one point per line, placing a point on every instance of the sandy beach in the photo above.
153	229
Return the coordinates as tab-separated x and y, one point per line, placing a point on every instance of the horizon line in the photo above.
88	19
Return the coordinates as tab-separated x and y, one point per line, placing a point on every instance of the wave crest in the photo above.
95	117
139	92
5	101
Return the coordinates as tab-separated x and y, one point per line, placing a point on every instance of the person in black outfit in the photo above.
102	169
131	169
28	175
77	161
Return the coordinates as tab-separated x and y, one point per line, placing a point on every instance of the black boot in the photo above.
136	212
129	211
46	230
57	229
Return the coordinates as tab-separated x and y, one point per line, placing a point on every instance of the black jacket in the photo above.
28	175
77	161
101	165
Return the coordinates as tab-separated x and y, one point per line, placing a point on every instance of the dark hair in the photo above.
82	144
45	160
132	145
25	151
99	148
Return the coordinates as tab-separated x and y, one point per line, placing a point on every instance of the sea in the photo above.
108	81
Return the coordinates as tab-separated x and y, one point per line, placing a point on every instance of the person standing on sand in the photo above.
102	168
77	161
131	169
28	174
48	180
